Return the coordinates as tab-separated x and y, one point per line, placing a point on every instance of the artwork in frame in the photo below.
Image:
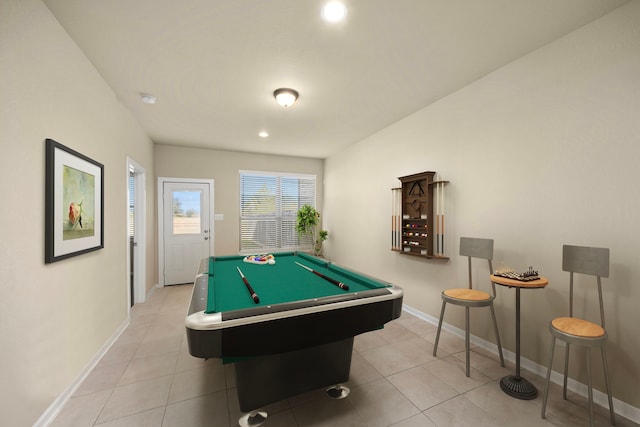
74	203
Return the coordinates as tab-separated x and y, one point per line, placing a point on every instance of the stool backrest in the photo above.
586	260
473	247
589	261
477	248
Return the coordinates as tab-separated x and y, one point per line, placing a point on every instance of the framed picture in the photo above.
74	203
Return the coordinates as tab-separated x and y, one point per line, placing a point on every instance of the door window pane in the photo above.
186	212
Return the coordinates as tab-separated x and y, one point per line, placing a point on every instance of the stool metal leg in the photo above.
467	344
606	382
546	383
566	371
435	345
590	388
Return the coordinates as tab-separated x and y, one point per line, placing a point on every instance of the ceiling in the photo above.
213	64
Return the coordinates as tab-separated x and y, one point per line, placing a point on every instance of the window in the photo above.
269	203
187	205
132	204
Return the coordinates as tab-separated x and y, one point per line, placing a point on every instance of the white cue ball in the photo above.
272	261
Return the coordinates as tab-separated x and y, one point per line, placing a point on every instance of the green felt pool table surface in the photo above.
282	282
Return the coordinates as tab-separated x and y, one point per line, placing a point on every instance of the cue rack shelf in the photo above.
418	216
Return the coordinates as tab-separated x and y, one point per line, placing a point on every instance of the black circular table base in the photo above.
253	419
518	387
338	391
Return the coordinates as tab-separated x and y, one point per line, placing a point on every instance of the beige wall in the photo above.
55	318
224	167
540	153
570	109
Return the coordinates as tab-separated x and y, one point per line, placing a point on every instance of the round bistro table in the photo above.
515	385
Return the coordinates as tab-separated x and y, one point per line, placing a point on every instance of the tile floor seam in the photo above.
162	310
104	404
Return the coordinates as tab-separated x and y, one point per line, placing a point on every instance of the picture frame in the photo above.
74	203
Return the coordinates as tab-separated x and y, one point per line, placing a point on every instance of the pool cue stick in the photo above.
399	219
253	294
394	220
437	208
441	209
396	228
437	215
398	204
317	273
440	219
393	231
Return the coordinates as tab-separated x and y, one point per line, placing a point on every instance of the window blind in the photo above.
132	198
269	204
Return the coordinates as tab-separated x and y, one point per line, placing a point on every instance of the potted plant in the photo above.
317	247
306	225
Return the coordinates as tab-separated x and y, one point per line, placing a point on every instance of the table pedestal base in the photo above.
518	387
338	391
253	419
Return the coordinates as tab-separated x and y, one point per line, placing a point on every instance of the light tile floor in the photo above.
148	379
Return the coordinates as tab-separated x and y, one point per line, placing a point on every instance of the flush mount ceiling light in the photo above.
285	97
334	11
148	99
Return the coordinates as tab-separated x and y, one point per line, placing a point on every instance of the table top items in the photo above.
525	276
260	259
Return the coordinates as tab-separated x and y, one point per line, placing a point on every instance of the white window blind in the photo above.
132	210
269	204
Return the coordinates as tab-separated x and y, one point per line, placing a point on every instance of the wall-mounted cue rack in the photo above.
418	216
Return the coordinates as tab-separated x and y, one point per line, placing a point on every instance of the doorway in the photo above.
136	226
185	208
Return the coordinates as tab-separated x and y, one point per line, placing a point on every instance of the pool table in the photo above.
299	336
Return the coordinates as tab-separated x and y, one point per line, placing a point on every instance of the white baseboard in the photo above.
54	409
599	398
621	408
151	292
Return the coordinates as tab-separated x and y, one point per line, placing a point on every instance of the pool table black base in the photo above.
291	333
267	379
293	344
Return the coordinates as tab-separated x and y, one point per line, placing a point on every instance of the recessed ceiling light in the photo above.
334	11
148	99
263	134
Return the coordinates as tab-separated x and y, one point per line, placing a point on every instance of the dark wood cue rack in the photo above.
418	229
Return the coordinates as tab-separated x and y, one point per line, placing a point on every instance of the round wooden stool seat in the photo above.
467	294
578	327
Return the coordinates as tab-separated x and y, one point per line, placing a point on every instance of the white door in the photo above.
186	229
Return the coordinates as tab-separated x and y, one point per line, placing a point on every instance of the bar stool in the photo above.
573	330
468	297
